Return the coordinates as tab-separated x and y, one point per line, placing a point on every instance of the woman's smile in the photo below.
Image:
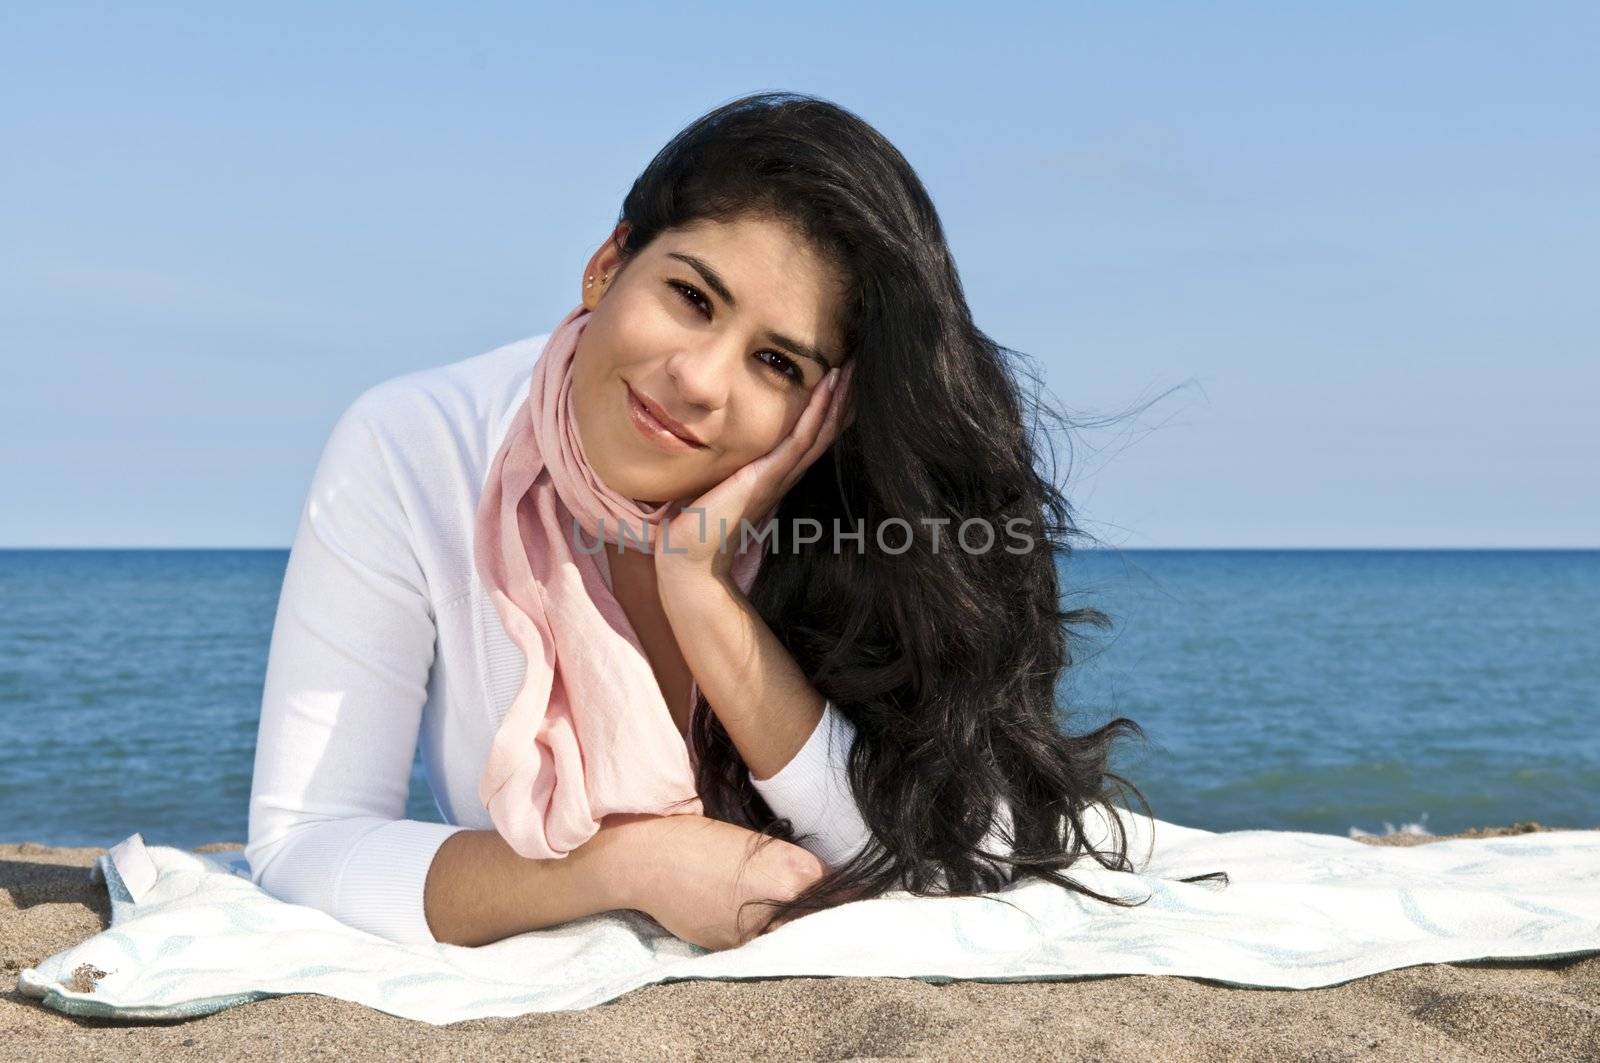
651	427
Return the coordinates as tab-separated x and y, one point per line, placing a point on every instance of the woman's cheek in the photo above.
777	420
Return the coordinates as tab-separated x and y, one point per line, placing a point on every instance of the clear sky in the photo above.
1360	240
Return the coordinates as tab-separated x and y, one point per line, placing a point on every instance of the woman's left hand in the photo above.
702	538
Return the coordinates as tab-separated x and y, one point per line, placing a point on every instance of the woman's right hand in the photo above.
689	873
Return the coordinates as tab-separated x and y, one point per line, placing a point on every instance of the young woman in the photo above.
648	713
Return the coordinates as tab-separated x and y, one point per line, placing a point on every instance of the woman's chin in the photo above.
646	491
644	495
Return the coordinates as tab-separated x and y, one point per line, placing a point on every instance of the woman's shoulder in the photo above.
431	434
404	465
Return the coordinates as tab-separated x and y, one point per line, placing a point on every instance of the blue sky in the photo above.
1360	241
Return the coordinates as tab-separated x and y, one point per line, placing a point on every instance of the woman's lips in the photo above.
653	430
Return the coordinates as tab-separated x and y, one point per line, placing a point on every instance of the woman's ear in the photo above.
603	266
619	236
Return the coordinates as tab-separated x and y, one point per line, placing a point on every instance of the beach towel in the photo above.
190	934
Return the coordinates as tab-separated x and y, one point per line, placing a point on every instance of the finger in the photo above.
782	461
805	430
792	467
835	416
802	445
828	431
825	437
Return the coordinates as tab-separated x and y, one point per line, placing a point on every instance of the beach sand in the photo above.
1438	1012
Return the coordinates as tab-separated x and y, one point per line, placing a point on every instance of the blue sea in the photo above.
1331	691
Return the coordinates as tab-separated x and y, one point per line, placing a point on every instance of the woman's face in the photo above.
733	367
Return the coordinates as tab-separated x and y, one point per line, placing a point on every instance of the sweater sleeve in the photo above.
813	792
346	680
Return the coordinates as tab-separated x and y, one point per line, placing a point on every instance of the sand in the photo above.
1472	1011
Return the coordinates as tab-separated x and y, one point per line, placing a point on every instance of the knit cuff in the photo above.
813	791
380	888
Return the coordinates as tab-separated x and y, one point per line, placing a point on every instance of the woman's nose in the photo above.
703	375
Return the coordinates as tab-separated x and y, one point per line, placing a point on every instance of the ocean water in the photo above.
1328	691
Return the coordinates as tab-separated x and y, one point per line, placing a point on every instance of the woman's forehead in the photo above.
747	242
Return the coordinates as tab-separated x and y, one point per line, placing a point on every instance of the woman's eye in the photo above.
692	296
784	365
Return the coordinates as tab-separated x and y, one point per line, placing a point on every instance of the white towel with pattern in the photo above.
190	934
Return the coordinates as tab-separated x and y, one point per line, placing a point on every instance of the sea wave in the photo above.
1419	828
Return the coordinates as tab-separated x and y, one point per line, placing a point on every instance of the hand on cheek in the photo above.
694	537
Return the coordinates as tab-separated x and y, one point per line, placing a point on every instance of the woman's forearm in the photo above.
479	890
751	681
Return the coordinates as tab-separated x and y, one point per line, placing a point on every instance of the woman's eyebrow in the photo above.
712	278
714	281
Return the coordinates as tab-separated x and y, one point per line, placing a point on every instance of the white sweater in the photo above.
384	637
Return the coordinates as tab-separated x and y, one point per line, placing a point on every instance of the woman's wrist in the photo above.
685	582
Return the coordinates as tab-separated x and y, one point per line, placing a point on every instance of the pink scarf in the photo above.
588	734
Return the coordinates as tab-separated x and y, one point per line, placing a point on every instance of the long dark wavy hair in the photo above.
947	661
